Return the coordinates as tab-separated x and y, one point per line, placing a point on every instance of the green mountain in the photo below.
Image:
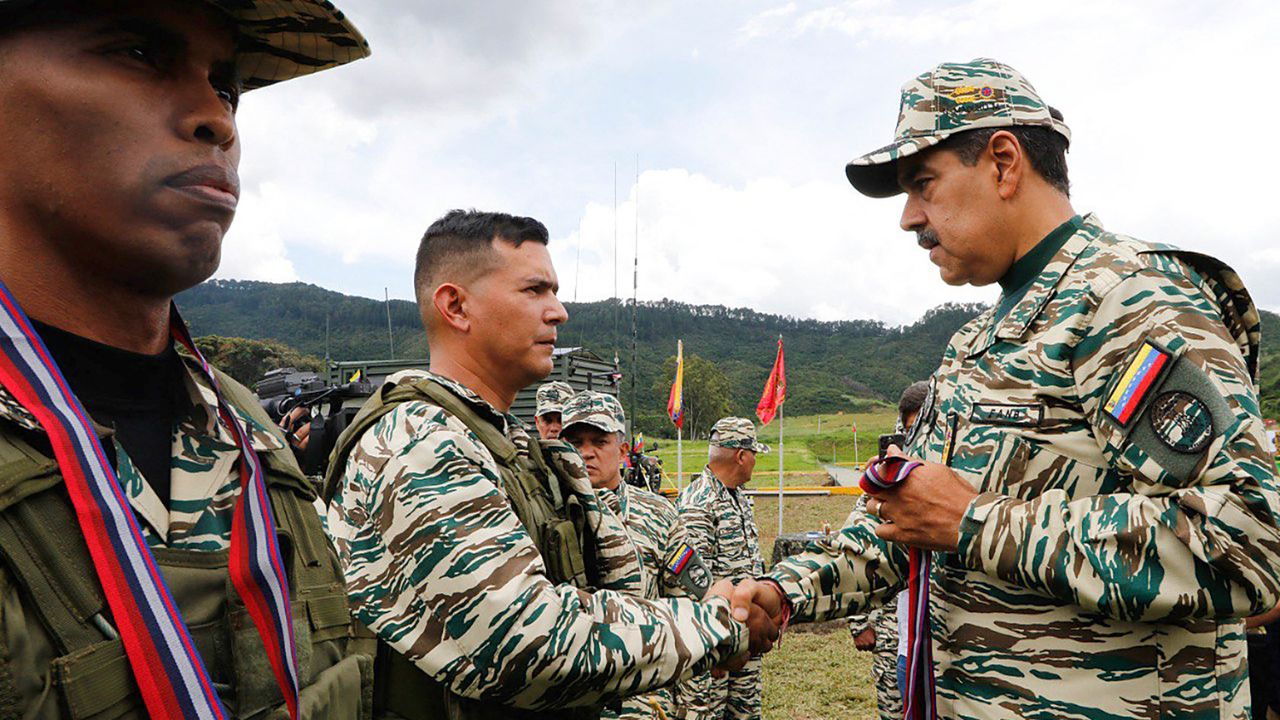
831	366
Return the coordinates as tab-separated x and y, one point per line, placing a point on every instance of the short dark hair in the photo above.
464	239
1045	148
912	398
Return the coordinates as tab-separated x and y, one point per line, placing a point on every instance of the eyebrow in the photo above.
542	282
173	42
906	179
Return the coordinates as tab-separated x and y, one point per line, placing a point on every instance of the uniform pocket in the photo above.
256	687
97	682
344	690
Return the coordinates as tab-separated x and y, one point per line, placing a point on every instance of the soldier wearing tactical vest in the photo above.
1088	470
496	582
125	461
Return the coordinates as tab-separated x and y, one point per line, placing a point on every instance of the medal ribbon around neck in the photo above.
170	673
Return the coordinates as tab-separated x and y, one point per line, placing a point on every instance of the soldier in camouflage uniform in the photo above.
497	583
1095	483
595	424
549	413
117	186
721	522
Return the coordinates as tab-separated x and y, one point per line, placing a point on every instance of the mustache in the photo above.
926	238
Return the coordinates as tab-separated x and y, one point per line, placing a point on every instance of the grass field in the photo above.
811	442
816	674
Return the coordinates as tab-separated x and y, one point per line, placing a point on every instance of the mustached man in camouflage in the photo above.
1095	481
496	582
595	424
117	184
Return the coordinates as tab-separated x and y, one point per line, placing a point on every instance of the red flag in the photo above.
775	390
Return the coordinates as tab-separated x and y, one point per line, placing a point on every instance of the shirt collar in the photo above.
1014	324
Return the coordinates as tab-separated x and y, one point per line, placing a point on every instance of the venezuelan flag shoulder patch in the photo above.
679	558
1138	379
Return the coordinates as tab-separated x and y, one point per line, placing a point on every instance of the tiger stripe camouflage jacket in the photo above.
439	567
1105	566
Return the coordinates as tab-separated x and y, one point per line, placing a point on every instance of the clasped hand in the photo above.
757	605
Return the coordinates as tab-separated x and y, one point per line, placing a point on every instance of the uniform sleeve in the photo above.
676	539
852	572
1192	532
700	530
439	567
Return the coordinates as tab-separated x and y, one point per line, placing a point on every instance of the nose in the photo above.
207	117
557	315
913	218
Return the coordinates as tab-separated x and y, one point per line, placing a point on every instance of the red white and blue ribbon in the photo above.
919	695
170	673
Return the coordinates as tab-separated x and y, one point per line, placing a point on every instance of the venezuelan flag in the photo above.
1135	382
675	403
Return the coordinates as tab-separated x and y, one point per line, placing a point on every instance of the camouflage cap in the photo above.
738	433
951	98
278	39
595	409
552	397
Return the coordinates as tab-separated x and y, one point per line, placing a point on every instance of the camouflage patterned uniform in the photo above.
551	397
48	668
672	568
441	569
722	526
884	663
1104	567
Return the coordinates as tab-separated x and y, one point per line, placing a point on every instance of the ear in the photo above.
450	303
1009	161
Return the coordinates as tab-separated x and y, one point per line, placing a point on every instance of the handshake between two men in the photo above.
924	513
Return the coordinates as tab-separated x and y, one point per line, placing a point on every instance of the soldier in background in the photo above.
721	521
1095	483
548	414
883	631
595	425
495	581
117	185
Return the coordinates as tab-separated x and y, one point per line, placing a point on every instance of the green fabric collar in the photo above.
1024	270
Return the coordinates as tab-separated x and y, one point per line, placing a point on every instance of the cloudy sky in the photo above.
741	116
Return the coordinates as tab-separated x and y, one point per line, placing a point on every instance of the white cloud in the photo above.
523	107
796	250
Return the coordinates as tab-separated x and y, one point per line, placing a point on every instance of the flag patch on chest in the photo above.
1138	379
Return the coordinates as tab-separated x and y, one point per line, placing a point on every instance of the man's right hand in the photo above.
762	628
865	640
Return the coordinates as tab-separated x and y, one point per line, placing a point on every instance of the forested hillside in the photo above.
831	366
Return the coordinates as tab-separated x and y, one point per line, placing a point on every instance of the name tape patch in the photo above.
1136	381
1007	414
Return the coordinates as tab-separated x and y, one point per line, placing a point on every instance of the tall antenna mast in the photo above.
616	301
635	285
391	345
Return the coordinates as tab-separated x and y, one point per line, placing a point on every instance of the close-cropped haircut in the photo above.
459	246
1045	148
912	398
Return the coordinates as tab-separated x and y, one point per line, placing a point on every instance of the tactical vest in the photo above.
67	635
551	514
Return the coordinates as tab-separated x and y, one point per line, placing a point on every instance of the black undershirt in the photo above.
138	395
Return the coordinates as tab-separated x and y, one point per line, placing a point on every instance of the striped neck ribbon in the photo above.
919	695
170	674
